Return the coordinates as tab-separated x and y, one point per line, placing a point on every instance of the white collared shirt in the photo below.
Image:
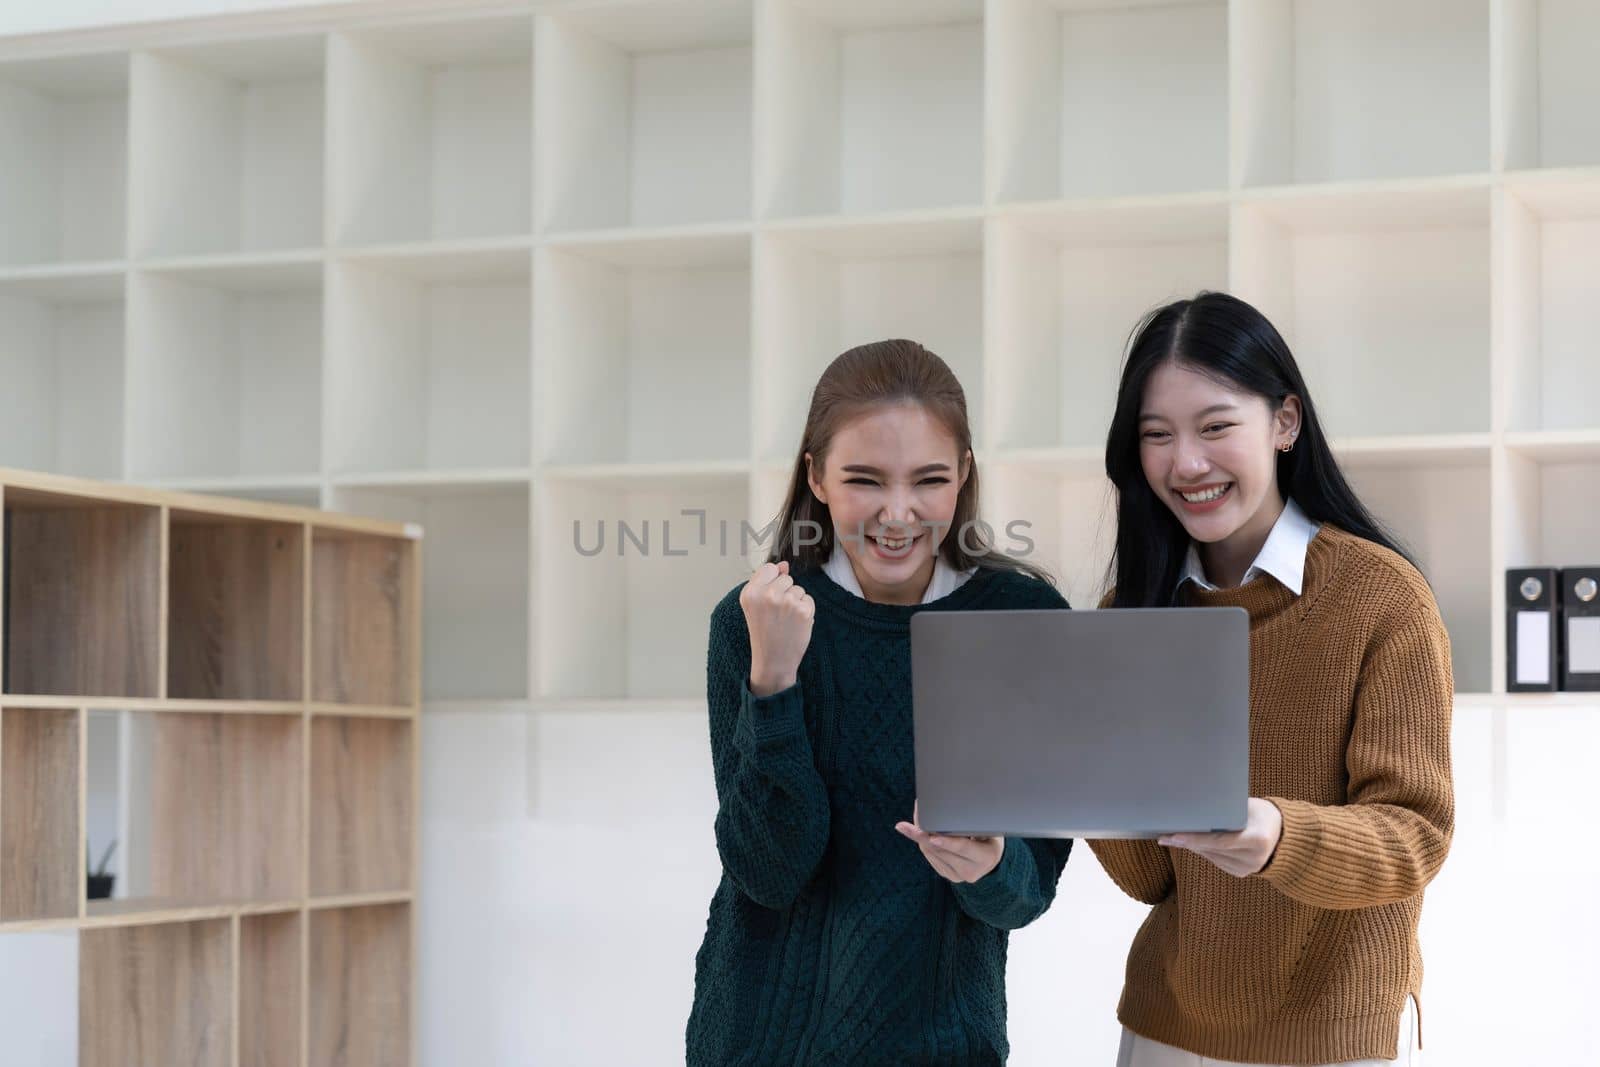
1283	556
946	579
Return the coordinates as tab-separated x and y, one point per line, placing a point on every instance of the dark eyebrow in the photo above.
1212	410
861	468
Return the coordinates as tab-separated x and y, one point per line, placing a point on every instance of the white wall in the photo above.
570	861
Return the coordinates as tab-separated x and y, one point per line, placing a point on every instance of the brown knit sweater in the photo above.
1309	961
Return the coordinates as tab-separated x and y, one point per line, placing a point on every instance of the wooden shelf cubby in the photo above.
160	649
360	986
363	644
362	804
271	952
83	595
236	609
41	863
158	993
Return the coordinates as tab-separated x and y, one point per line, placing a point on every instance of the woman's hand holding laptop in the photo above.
956	858
1242	852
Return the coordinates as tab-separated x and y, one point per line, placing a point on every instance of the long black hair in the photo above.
1226	339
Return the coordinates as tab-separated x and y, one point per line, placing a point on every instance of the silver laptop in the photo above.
1112	723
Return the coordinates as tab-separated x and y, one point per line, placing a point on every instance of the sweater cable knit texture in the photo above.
1309	961
830	939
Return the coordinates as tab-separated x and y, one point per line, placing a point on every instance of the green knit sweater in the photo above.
830	938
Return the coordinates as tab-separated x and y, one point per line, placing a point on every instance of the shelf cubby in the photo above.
227	147
236	609
63	159
643	115
1553	520
620	549
1547	279
83	593
363	619
1383	295
158	993
362	803
643	350
1065	522
205	807
41	860
61	350
430	130
1439	508
824	289
1549	83
1054	63
1065	288
868	106
429	361
225	370
1360	90
475	581
271	1007
360	1000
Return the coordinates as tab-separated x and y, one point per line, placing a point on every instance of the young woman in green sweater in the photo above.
840	933
1295	940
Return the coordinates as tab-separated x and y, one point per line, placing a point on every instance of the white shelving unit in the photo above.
62	347
64	139
635	334
430	131
230	143
645	115
1370	89
428	360
506	268
225	369
868	105
1056	62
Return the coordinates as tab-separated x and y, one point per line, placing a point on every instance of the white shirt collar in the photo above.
1283	556
946	579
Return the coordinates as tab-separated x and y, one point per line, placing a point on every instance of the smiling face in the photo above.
1209	451
890	481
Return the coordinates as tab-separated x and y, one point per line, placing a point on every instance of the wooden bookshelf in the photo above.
162	652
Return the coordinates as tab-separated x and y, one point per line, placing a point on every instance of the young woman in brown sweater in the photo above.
1293	941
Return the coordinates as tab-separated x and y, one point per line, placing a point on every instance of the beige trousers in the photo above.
1139	1051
